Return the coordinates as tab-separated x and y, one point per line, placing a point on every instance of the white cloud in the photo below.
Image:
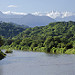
56	14
66	14
38	14
19	13
11	6
7	12
14	13
52	14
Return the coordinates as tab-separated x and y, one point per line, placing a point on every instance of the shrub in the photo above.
8	51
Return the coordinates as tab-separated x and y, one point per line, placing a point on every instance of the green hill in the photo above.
10	29
58	37
61	29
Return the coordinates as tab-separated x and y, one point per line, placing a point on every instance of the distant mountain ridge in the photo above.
68	18
29	19
37	18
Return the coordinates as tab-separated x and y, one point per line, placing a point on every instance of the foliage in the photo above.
9	30
2	55
57	37
1	41
8	51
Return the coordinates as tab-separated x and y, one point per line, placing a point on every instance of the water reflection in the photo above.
1	70
36	63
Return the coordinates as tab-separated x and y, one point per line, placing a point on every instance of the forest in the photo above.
9	30
2	55
57	37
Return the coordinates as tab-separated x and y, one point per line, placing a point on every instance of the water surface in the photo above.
37	63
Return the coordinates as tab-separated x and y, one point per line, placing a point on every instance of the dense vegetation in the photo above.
10	29
2	55
8	51
58	37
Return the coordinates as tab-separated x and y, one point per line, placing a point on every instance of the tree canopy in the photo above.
57	37
9	30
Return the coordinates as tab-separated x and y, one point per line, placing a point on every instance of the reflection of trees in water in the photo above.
1	71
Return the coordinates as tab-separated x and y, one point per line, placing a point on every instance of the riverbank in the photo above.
42	49
2	55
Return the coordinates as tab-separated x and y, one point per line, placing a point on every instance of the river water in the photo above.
37	63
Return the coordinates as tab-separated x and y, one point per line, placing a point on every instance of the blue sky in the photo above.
30	6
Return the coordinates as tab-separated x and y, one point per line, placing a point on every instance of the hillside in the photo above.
10	29
61	29
58	37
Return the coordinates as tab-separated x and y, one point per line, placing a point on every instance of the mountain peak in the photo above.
30	15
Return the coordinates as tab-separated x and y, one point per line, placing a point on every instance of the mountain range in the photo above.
29	19
36	19
68	18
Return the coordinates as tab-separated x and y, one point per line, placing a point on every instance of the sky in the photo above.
30	6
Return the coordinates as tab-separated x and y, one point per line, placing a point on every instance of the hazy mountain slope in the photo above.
30	20
33	21
68	18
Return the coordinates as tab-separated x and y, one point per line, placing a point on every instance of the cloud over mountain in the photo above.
52	14
55	14
14	13
36	18
26	19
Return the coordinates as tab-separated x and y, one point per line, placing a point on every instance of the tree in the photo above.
1	41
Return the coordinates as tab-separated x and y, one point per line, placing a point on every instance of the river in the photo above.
37	63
